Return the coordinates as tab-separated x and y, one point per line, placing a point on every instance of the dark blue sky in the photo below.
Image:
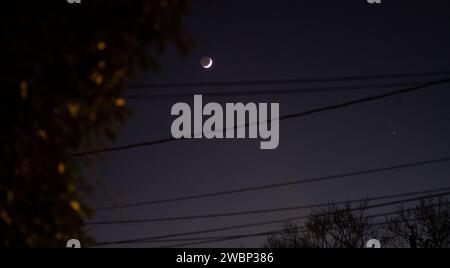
263	40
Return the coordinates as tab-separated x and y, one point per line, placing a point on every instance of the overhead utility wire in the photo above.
282	184
272	92
284	117
250	235
271	210
206	216
286	81
161	237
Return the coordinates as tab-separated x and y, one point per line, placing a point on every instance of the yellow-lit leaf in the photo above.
99	79
5	217
42	134
75	205
61	168
102	64
23	89
101	45
74	109
59	236
120	102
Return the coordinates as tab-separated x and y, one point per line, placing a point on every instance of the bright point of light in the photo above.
206	62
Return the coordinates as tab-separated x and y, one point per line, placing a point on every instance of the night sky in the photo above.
273	40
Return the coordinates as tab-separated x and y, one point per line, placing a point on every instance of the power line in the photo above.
158	239
161	237
202	239
215	239
301	229
285	81
154	95
205	240
285	117
283	184
366	99
212	230
221	238
280	231
261	211
227	238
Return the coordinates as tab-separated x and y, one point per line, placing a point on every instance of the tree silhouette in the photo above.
64	68
332	227
427	225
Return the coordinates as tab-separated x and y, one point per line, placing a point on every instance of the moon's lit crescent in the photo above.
206	62
209	64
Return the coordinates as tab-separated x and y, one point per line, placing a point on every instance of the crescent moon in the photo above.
209	64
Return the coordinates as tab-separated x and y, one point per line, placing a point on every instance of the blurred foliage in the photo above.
64	68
